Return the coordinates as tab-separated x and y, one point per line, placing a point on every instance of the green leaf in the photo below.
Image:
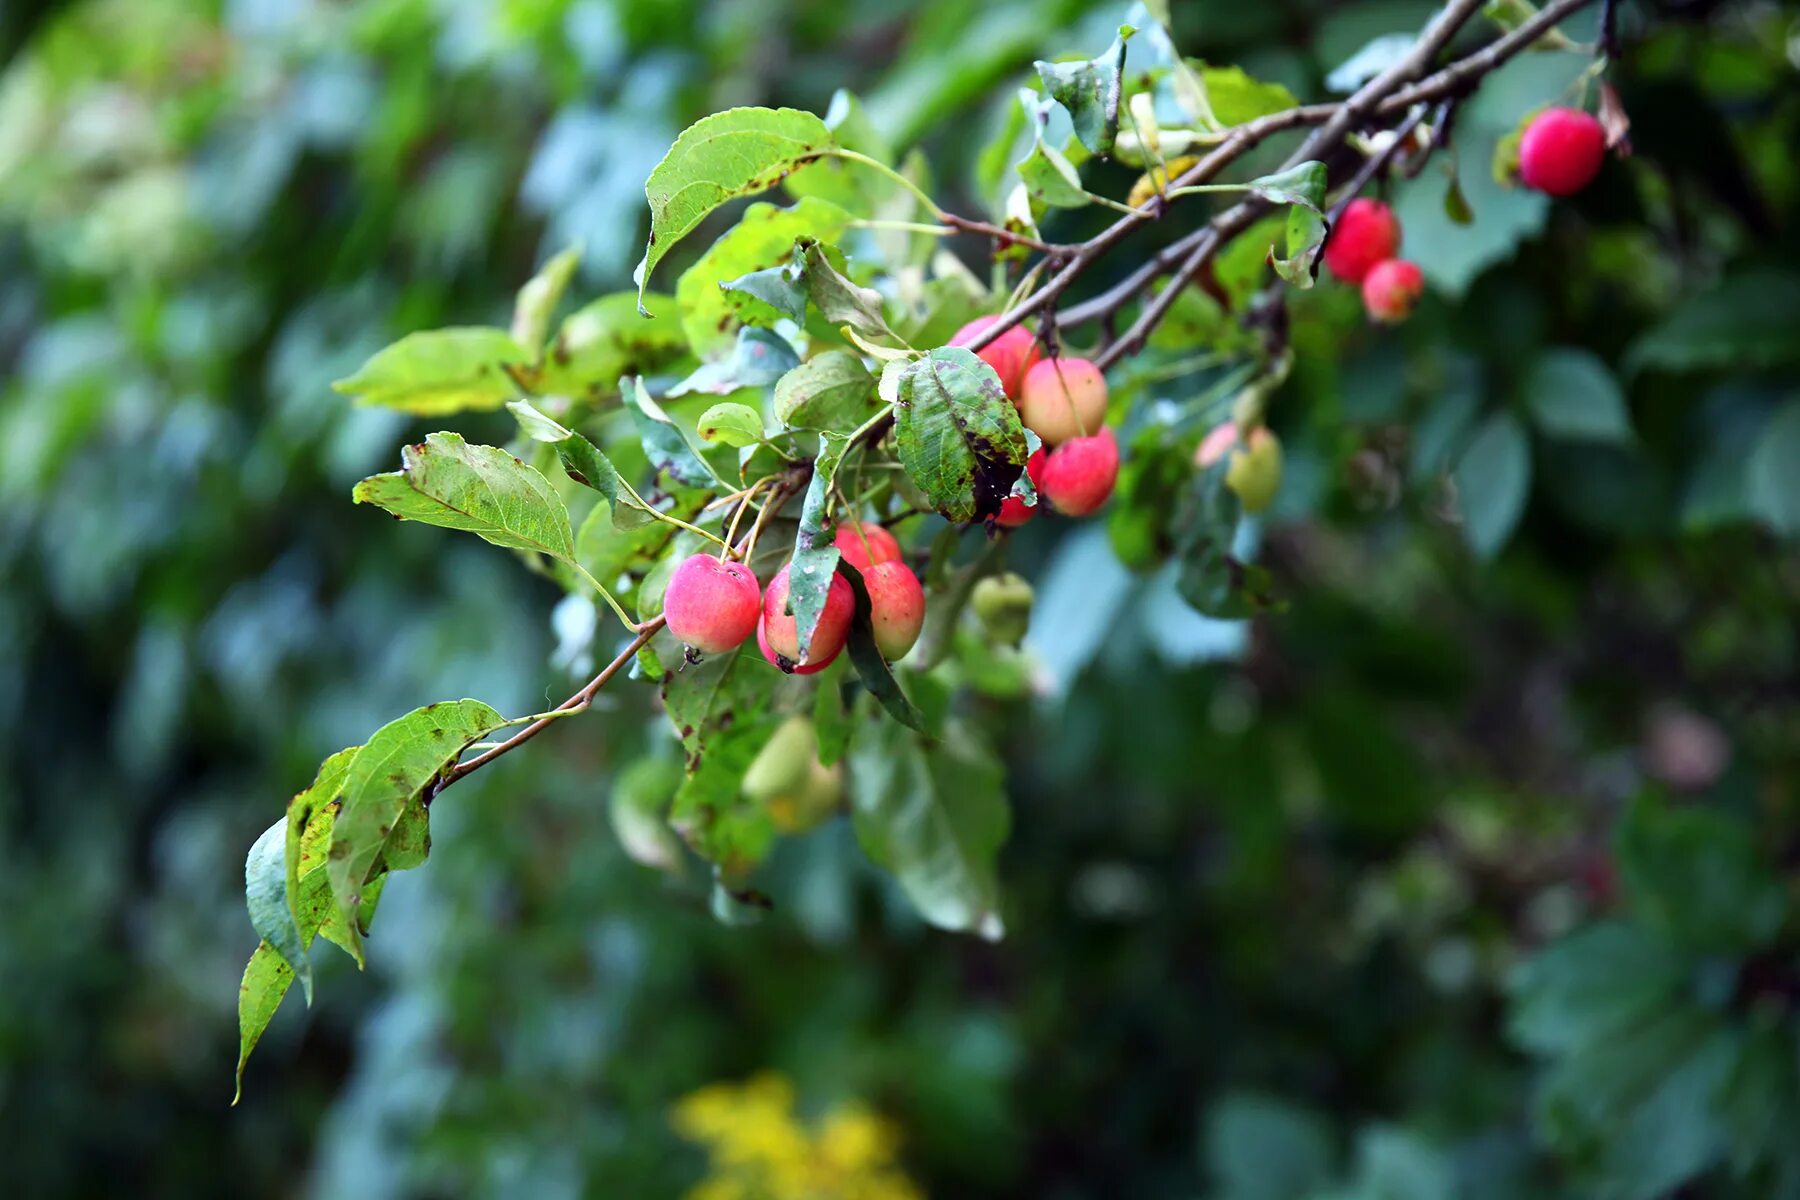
1236	97
738	279
958	435
665	444
866	657
841	301
1051	178
1259	1148
606	339
1592	985
538	299
1573	397
266	980
441	371
1745	322
480	489
266	896
779	287
639	808
1303	184
935	816
762	356
723	708
1698	877
1303	187
814	563
1090	91
1772	476
1492	480
308	824
831	391
730	424
584	463
1208	576
374	828
831	719
734	153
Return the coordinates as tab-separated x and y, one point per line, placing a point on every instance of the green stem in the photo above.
897	177
605	595
1198	188
904	226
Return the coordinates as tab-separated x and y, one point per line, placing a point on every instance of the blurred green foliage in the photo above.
1469	872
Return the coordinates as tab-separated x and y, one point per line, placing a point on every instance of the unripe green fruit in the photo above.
788	780
1002	603
1254	472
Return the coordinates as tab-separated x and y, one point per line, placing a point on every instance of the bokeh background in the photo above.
1470	872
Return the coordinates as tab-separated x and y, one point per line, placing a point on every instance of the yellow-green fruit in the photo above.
787	779
1255	470
1003	605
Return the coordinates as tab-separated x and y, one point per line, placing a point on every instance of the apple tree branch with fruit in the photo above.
822	440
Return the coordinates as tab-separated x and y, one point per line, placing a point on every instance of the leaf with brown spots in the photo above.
738	152
480	489
958	435
441	371
382	822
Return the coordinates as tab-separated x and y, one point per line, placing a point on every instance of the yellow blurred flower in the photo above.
760	1149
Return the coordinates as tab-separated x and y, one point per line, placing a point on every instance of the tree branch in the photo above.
1390	94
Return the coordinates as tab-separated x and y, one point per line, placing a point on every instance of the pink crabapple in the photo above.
712	605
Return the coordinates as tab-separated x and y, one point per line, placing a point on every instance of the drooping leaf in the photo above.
481	489
957	434
584	463
936	816
267	978
639	809
606	339
866	657
1303	184
779	287
838	299
734	153
374	827
1492	480
266	896
307	838
1573	397
751	257
440	371
833	391
1090	91
1209	576
1052	179
1306	231
665	443
538	299
760	358
815	559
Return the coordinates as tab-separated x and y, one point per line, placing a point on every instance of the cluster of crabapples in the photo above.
714	605
1560	152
